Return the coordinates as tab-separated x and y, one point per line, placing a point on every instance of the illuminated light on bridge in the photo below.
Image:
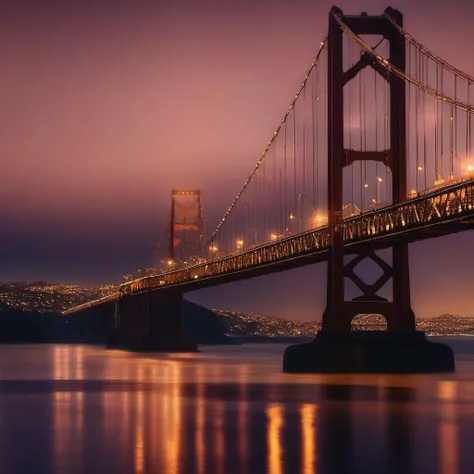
317	220
384	137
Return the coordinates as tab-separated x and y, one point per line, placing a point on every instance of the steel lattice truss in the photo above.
407	221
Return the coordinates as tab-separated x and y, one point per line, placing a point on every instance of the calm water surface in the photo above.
82	409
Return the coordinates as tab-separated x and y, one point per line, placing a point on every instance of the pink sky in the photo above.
105	110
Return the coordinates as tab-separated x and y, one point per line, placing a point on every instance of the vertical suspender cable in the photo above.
285	210
455	124
437	177
442	127
294	160
313	131
351	125
425	78
408	117
417	99
376	134
317	139
469	141
363	184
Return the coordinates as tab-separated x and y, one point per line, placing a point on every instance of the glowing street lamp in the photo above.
240	244
378	180
317	220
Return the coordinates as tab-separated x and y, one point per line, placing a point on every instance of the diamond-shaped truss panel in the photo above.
369	290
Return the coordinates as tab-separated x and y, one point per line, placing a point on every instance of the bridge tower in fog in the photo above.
186	227
339	312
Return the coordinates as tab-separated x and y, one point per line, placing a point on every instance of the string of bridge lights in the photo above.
386	64
427	52
269	144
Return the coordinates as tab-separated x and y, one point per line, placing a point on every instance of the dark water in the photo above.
79	409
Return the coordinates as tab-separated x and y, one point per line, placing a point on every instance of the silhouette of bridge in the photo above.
374	152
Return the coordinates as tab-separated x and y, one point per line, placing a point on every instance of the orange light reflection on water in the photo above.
166	415
200	423
275	417
308	417
139	450
243	419
448	428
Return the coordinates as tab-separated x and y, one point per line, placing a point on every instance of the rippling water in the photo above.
82	409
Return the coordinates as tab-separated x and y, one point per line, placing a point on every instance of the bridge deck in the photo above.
438	212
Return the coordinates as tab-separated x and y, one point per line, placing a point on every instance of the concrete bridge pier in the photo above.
150	321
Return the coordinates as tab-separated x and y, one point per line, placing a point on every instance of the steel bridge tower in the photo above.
339	312
186	227
336	348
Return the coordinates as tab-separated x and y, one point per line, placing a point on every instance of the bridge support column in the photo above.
151	322
336	348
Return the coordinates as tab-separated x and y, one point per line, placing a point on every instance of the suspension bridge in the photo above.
373	152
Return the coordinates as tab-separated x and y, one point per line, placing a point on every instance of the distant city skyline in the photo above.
106	110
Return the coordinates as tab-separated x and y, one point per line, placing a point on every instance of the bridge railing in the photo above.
437	205
89	304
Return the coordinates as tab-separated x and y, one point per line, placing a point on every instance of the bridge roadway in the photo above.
444	210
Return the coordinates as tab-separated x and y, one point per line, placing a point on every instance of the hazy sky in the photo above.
108	105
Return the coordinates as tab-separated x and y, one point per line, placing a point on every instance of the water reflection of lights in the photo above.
200	423
219	441
449	428
68	405
243	419
172	420
275	420
308	416
61	362
139	451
